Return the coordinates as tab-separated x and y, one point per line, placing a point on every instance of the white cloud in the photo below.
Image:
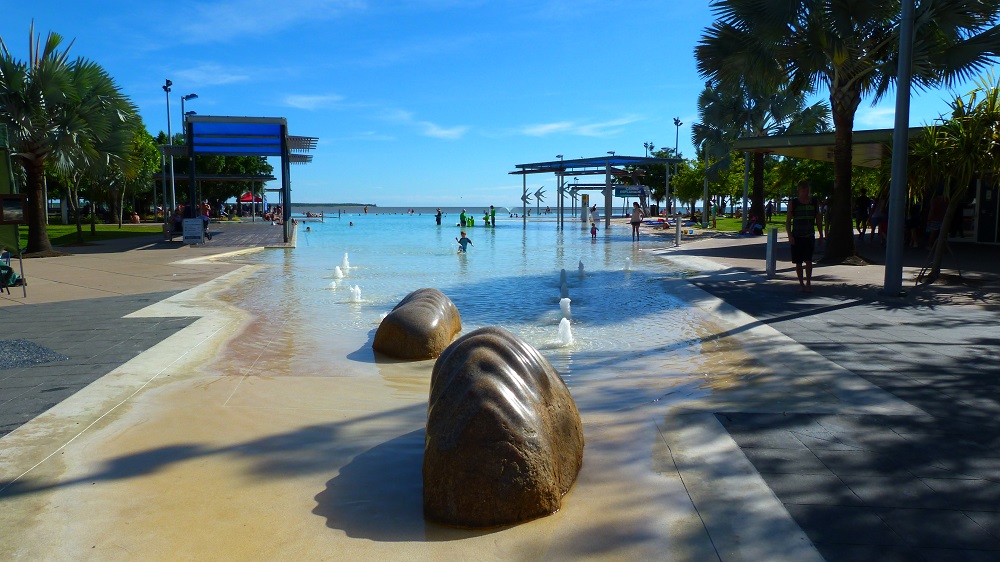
211	75
312	102
543	129
225	19
876	117
601	129
438	132
428	128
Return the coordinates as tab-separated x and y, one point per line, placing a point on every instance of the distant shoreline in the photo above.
334	205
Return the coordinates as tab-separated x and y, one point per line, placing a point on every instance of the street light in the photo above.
611	152
183	114
677	137
170	140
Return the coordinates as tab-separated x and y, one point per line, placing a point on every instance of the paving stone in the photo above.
893	491
843	525
966	494
939	528
811	489
855	553
786	461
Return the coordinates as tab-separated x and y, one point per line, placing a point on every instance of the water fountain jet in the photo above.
564	307
355	294
346	265
338	273
565	333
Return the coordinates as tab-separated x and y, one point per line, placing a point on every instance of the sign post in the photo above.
194	231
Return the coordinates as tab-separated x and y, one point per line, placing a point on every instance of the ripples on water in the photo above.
622	308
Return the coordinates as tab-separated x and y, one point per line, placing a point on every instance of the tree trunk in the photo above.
757	192
840	243
38	235
941	244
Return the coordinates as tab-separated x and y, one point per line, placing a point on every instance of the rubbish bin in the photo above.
654	210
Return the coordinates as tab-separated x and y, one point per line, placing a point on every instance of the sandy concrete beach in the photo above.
204	447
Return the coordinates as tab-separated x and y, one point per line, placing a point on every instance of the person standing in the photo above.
493	216
462	219
801	223
464	243
437	217
636	220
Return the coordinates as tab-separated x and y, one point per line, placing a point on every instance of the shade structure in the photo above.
248	197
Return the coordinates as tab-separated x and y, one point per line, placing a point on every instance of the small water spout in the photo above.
338	273
565	333
564	307
628	264
580	267
333	285
346	265
355	294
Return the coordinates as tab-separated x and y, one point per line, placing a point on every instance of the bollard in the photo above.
772	252
677	227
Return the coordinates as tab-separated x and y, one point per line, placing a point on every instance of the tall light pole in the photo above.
893	284
192	189
170	141
677	138
183	113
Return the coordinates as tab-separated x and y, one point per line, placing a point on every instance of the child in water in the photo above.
593	231
463	243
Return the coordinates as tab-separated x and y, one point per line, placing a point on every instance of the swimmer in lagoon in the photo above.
463	243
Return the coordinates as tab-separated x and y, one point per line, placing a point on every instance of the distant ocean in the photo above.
475	211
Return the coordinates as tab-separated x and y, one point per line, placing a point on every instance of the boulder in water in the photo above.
420	327
504	440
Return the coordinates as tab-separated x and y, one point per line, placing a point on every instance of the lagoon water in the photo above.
623	306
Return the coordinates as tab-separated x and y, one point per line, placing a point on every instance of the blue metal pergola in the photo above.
610	165
248	136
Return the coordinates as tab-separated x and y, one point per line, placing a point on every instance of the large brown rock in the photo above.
504	440
420	327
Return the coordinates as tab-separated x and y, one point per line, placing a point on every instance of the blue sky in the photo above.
415	102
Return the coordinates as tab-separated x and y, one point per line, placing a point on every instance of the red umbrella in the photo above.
247	197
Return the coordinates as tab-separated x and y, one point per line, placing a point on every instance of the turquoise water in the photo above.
622	307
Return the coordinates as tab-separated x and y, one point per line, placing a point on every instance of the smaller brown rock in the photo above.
421	326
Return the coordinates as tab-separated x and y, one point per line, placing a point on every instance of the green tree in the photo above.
851	49
967	145
732	111
56	109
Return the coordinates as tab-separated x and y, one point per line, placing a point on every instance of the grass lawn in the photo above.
62	234
726	224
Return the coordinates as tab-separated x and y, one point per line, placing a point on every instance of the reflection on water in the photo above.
632	341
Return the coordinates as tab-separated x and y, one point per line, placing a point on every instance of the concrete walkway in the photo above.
877	487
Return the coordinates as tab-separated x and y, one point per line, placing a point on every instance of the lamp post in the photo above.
170	141
677	137
192	189
561	188
183	113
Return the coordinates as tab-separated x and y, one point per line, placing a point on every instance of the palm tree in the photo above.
967	149
728	114
851	48
66	111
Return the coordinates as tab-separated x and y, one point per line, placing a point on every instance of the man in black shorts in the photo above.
801	224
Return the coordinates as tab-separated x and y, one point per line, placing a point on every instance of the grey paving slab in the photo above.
786	461
844	525
939	528
93	337
811	489
855	553
921	471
